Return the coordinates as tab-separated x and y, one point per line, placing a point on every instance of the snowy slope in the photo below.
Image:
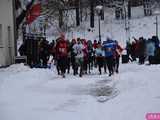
115	29
144	26
40	94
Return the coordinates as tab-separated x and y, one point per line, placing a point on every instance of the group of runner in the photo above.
82	55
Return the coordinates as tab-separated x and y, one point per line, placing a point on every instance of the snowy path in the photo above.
38	94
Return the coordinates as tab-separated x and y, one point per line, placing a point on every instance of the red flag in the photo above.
33	13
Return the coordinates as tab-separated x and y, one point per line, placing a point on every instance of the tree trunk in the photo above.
102	14
129	9
147	7
117	13
92	13
77	13
60	18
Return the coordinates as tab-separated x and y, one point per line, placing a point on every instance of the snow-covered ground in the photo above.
40	94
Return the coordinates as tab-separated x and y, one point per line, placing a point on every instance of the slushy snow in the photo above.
40	94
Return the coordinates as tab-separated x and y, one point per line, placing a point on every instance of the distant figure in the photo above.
44	52
90	55
150	51
141	50
73	54
118	52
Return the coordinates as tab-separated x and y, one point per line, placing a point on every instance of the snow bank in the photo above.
17	68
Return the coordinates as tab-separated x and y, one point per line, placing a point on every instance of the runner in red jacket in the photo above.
118	52
61	55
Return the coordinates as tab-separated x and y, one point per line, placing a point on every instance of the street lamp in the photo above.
99	9
157	12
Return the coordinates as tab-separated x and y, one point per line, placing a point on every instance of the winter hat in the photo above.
62	35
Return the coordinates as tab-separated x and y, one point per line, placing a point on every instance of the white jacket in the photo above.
78	50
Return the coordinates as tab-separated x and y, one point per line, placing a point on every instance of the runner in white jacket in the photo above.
79	55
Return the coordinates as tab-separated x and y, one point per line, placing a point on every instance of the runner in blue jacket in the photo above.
109	47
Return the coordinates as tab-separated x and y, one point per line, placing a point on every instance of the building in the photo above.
7	32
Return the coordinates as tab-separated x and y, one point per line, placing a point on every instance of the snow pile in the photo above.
16	68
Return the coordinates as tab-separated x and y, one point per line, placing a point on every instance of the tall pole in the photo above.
92	2
99	9
77	12
157	26
127	24
14	27
125	20
99	19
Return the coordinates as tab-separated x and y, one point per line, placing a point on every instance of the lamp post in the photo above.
127	22
99	9
157	26
157	12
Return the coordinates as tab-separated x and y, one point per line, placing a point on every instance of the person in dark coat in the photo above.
86	57
95	44
156	41
73	59
141	50
44	52
69	56
133	51
150	51
90	55
99	57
